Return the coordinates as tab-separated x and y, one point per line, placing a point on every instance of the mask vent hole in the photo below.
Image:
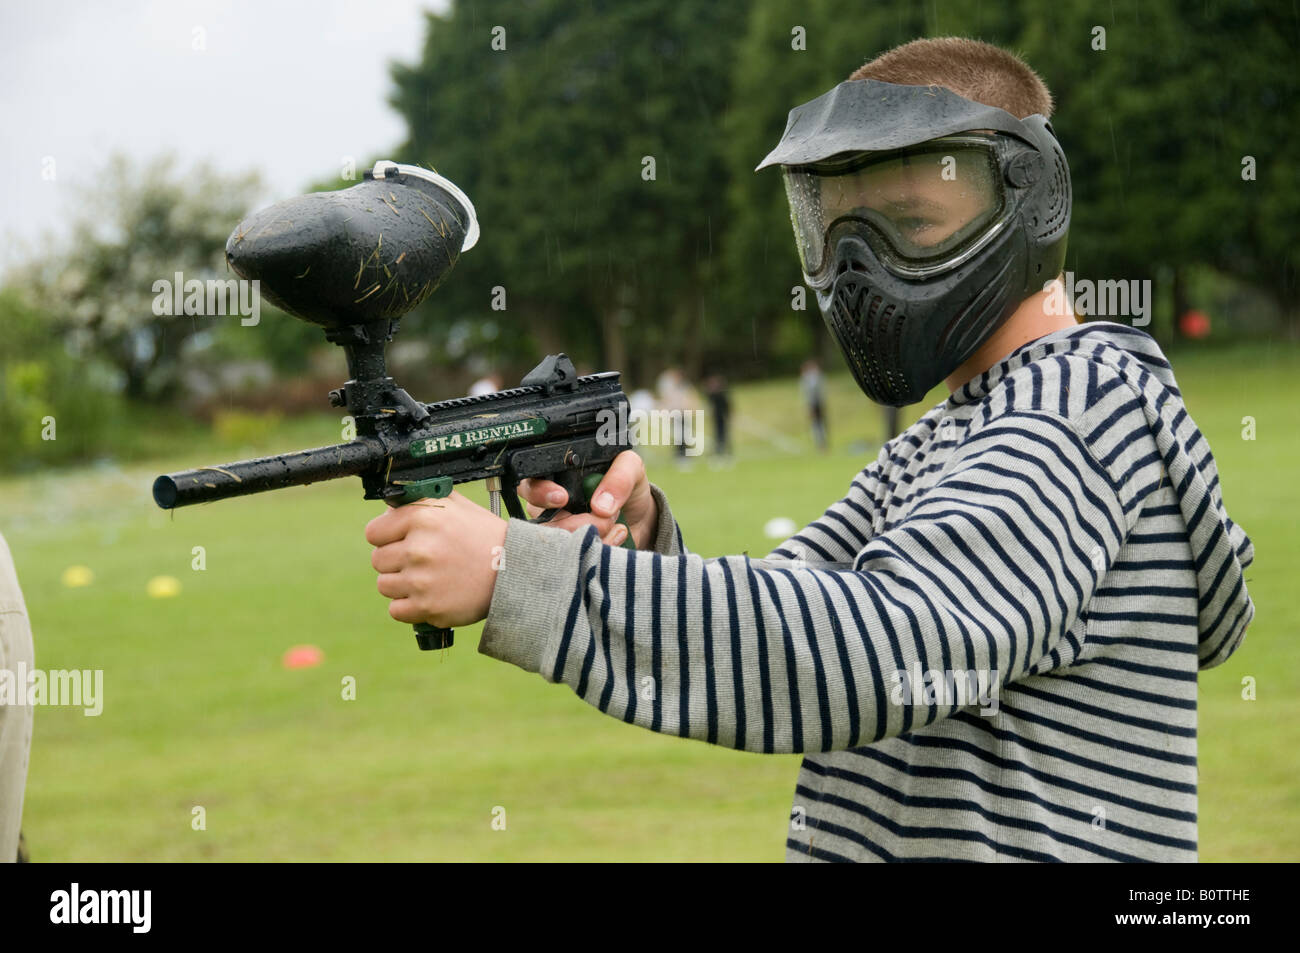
868	328
1058	201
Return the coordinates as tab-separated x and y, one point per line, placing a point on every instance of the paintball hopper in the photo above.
353	262
360	255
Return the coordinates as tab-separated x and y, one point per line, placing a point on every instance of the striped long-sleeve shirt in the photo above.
988	650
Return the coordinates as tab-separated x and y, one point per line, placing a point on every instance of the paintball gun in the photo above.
353	262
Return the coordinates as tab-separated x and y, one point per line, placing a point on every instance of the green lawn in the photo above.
198	710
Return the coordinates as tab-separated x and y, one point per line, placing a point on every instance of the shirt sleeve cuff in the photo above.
668	539
537	572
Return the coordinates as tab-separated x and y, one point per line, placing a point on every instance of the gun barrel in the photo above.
267	473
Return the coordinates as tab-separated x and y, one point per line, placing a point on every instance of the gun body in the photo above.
353	262
556	426
512	435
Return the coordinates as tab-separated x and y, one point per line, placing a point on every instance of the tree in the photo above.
136	227
1158	126
590	143
52	405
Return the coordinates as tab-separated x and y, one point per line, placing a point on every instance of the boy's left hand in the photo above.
437	560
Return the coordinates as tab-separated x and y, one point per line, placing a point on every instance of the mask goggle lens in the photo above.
922	206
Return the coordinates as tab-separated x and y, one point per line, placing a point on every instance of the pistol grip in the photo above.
427	636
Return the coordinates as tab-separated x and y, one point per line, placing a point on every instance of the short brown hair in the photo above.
970	68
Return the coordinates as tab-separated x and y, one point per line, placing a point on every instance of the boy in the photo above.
989	648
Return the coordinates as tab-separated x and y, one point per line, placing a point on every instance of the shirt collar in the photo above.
979	386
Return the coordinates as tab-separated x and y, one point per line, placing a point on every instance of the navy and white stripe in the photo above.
1056	523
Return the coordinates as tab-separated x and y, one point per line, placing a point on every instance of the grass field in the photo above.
199	712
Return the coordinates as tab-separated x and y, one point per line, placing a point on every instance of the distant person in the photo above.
814	398
16	657
675	397
715	390
640	405
640	401
489	384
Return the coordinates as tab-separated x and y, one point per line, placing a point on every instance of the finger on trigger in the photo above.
543	493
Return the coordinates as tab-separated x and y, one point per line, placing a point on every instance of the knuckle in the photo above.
420	546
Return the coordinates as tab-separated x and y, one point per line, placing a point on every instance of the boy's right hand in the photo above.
624	487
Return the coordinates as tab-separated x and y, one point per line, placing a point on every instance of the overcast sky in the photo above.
289	88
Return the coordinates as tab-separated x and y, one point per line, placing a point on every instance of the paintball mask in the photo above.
922	221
